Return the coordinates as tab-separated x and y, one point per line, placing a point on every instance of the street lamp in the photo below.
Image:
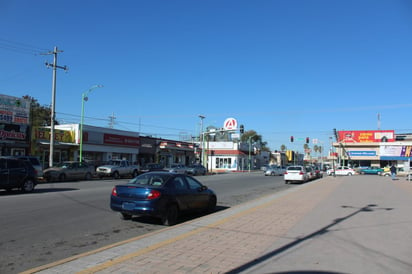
84	99
201	138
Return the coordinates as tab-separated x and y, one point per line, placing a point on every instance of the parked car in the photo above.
196	169
318	171
118	168
296	174
152	167
177	168
274	170
264	167
342	170
311	172
35	162
69	170
371	170
164	195
17	173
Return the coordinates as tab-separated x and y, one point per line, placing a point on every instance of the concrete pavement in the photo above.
356	224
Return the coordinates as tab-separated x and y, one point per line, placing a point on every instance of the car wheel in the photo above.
116	175
88	176
349	174
379	173
286	182
170	217
28	186
125	216
62	177
362	173
212	204
135	173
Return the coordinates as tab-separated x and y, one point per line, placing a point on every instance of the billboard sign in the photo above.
14	118
366	136
230	124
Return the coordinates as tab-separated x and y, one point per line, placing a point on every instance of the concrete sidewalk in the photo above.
356	224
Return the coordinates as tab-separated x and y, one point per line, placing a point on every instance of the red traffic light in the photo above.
291	139
307	140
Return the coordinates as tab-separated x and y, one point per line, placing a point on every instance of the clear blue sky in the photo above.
280	68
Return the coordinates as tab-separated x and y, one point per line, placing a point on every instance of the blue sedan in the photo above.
163	195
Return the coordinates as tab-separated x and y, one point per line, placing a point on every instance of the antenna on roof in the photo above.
379	121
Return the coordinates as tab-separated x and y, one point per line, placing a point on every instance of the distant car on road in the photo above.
296	174
342	171
17	173
177	168
69	170
371	170
196	169
152	167
274	170
164	195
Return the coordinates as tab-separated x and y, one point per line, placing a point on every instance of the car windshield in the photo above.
114	163
153	179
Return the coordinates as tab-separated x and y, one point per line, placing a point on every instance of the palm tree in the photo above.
282	148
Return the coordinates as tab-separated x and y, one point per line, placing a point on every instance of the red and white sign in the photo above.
230	124
366	136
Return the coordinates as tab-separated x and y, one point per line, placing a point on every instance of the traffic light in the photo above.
307	140
242	129
291	139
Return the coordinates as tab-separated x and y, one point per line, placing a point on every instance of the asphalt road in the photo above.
59	220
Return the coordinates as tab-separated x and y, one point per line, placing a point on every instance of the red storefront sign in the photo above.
121	140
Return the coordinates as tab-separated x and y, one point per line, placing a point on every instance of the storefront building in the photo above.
381	148
14	126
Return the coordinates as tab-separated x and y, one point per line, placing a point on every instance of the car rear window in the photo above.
151	179
294	168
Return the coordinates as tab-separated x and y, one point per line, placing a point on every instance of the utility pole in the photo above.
53	104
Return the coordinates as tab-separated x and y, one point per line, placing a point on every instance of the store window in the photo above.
223	162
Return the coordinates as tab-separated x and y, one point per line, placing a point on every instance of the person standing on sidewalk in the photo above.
393	172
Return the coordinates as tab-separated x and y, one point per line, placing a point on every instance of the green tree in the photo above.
282	148
39	115
255	138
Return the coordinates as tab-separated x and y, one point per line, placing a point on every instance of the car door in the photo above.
17	172
4	173
199	197
181	191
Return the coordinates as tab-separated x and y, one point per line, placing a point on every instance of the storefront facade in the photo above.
379	148
14	126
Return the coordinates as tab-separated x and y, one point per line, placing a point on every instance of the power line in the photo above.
20	47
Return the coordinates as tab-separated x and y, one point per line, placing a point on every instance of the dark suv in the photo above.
17	173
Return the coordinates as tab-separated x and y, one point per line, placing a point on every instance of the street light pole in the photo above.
201	138
84	99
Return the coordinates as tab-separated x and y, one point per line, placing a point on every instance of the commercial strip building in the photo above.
381	148
219	149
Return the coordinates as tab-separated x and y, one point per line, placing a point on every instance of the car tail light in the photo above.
114	192
301	173
285	172
153	194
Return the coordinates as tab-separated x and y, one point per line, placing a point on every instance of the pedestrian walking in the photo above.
393	172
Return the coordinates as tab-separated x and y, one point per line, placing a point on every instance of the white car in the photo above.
296	174
342	170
